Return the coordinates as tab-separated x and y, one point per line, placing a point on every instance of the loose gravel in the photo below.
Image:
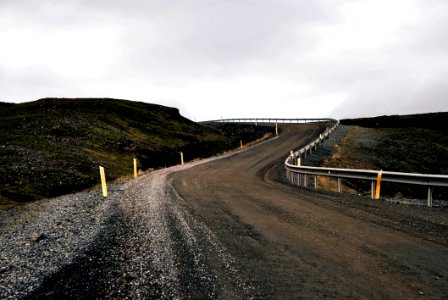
140	242
39	238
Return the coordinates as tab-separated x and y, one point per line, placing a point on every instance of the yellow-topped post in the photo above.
181	158
241	144
378	184
103	181
135	168
276	128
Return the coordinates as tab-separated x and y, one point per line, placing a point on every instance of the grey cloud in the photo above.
221	37
404	95
177	43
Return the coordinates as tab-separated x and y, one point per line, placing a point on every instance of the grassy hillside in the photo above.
410	143
54	146
432	121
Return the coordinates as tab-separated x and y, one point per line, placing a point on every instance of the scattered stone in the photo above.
41	238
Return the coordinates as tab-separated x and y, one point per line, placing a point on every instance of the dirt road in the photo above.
227	227
293	244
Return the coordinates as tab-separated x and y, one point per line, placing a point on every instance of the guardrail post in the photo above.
378	184
339	185
305	180
299	179
315	182
372	190
276	128
103	181
430	188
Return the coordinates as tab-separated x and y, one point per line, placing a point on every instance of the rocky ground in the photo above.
137	243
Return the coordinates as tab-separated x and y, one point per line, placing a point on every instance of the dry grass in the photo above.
411	150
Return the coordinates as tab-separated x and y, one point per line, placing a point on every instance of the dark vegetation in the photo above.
432	121
409	143
53	146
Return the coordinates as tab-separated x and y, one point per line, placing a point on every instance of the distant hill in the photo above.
434	121
53	146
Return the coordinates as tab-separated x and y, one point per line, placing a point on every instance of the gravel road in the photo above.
227	227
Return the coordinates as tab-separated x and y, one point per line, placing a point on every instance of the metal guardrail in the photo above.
274	120
298	174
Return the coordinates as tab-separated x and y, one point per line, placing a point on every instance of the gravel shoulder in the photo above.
140	242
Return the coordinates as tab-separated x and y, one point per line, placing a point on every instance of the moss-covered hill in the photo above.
401	143
432	121
54	146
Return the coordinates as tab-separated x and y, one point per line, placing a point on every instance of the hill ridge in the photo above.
53	146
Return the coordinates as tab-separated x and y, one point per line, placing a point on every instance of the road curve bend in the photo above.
292	243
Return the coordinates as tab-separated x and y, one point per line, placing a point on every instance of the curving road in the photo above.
291	243
232	227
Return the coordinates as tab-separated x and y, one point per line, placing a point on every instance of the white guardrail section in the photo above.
298	174
273	120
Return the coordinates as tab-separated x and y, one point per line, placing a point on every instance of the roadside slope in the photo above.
409	143
52	147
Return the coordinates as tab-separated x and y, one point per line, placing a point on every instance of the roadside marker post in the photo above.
103	181
276	128
299	162
181	158
430	190
135	168
378	185
241	144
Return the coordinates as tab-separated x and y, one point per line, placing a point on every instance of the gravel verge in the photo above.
141	242
39	238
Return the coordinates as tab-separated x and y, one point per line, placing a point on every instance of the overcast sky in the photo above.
234	58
